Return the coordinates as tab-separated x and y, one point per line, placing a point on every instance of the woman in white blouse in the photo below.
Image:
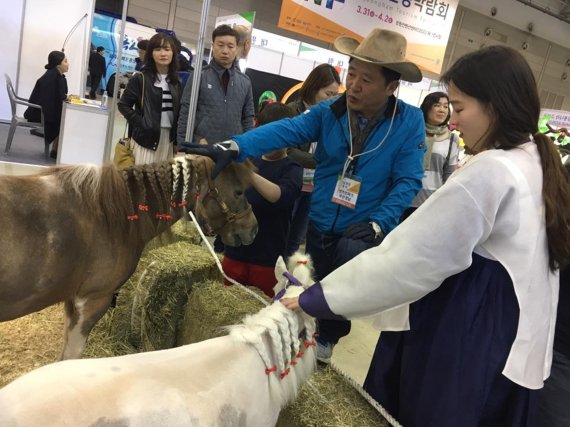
472	276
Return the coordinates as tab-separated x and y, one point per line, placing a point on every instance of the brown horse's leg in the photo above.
80	317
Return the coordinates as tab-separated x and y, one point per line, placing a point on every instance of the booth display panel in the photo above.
82	135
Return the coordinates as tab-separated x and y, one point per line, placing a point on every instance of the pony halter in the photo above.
213	193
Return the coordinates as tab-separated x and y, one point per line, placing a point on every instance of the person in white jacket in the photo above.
466	288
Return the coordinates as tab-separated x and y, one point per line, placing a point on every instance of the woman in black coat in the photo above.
50	91
151	102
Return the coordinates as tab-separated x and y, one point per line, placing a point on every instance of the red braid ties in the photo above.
304	262
143	207
299	355
183	203
132	217
284	373
269	370
197	195
164	217
310	344
173	204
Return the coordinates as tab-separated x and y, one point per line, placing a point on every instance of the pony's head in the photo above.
293	277
220	205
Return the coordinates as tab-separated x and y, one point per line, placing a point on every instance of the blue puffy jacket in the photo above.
391	176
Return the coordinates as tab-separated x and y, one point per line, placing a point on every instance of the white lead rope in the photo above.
353	383
219	264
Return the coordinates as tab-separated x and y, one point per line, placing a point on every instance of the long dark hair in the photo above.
321	76
500	78
155	42
429	101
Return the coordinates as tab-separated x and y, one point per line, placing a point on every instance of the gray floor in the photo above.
26	148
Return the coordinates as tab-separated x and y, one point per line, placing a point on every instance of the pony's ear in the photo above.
280	268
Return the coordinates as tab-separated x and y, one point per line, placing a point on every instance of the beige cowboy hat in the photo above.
382	47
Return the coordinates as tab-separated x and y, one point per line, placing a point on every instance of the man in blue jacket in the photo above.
369	158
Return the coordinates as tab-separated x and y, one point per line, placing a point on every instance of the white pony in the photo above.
242	379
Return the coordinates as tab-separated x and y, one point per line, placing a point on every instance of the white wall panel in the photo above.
46	25
296	68
11	24
265	60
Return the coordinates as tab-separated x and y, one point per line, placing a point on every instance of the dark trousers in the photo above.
329	251
95	81
554	398
299	223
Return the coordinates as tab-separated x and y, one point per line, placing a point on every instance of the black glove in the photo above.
222	153
363	231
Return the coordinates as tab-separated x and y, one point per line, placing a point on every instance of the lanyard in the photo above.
351	157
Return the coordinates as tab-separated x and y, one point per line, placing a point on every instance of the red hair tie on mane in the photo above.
163	216
269	370
143	207
132	217
285	373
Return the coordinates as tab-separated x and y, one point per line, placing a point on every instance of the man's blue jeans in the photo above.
329	251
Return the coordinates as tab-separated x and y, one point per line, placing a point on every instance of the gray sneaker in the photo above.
324	352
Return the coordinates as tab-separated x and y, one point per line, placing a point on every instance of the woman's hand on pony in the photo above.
291	303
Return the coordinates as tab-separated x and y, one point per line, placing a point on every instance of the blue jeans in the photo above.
299	223
329	251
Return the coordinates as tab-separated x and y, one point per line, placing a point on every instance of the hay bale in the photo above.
151	304
328	400
29	342
181	231
211	306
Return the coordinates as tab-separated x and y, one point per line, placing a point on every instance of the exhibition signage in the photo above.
293	47
426	24
246	19
556	124
106	32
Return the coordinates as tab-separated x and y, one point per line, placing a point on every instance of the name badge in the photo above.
308	176
346	191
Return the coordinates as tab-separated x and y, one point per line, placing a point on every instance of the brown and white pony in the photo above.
241	379
76	233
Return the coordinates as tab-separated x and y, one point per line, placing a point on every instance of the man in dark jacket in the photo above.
225	100
97	67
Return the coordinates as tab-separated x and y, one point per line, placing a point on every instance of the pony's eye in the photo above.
239	193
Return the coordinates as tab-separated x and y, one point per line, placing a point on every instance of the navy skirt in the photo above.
446	371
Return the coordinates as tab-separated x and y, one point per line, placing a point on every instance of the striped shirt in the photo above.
167	111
